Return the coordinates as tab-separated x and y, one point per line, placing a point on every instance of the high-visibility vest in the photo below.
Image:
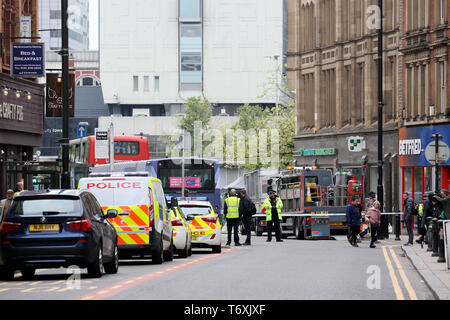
421	210
268	206
232	207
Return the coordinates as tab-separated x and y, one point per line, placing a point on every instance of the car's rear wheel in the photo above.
168	255
190	250
185	252
95	270
28	273
157	254
217	249
113	266
6	274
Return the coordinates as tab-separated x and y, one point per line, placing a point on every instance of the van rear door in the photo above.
129	196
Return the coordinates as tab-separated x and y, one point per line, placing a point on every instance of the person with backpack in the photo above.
425	211
408	208
246	210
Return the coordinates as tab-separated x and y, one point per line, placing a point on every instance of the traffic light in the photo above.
35	180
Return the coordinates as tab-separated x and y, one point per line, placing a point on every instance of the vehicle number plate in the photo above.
199	233
44	227
336	224
194	238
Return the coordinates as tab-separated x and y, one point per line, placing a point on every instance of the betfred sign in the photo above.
114	185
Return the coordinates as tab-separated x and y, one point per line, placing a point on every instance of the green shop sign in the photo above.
318	152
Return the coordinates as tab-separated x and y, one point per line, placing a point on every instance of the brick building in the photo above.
332	68
425	105
21	100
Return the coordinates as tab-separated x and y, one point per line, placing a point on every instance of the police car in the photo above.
143	222
204	222
182	234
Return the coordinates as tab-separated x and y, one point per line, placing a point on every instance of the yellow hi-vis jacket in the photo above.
232	207
267	205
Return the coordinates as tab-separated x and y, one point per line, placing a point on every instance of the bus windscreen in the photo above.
200	180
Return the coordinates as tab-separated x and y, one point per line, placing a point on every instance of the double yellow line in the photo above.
395	282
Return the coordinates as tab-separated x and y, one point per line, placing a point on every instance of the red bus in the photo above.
126	148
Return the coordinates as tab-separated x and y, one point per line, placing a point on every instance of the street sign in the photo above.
444	152
81	130
101	144
28	60
25	29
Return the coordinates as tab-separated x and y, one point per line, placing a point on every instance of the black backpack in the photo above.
252	207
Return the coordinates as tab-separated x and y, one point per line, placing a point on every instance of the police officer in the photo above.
19	188
231	211
272	208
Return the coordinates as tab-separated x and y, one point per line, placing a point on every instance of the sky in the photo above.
93	24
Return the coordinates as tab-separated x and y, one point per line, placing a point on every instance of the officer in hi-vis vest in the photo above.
231	211
272	208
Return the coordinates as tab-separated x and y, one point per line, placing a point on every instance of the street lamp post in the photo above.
380	190
65	178
183	146
436	137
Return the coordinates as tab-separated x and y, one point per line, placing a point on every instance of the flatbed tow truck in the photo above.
313	205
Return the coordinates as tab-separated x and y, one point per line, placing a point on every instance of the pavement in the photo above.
435	274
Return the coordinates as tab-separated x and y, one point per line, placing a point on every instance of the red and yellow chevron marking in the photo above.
199	224
131	229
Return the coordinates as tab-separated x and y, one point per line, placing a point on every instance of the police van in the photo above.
143	221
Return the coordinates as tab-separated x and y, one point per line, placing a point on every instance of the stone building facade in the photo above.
332	67
425	108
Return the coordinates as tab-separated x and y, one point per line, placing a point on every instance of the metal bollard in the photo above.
435	238
397	227
429	234
441	245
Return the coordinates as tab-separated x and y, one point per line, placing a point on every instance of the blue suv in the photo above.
57	228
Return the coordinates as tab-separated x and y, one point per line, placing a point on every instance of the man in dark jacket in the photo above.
445	202
427	212
408	205
353	220
245	211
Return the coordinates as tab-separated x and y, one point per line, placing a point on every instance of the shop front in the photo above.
21	127
417	154
354	154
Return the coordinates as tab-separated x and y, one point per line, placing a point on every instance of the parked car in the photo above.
57	228
204	223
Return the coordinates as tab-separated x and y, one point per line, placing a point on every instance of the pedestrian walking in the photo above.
370	200
272	208
444	200
353	217
246	211
5	204
408	205
231	211
373	217
427	212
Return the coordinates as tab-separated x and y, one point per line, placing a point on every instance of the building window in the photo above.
443	9
146	83
135	83
156	83
190	9
190	53
88	81
442	86
55	14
